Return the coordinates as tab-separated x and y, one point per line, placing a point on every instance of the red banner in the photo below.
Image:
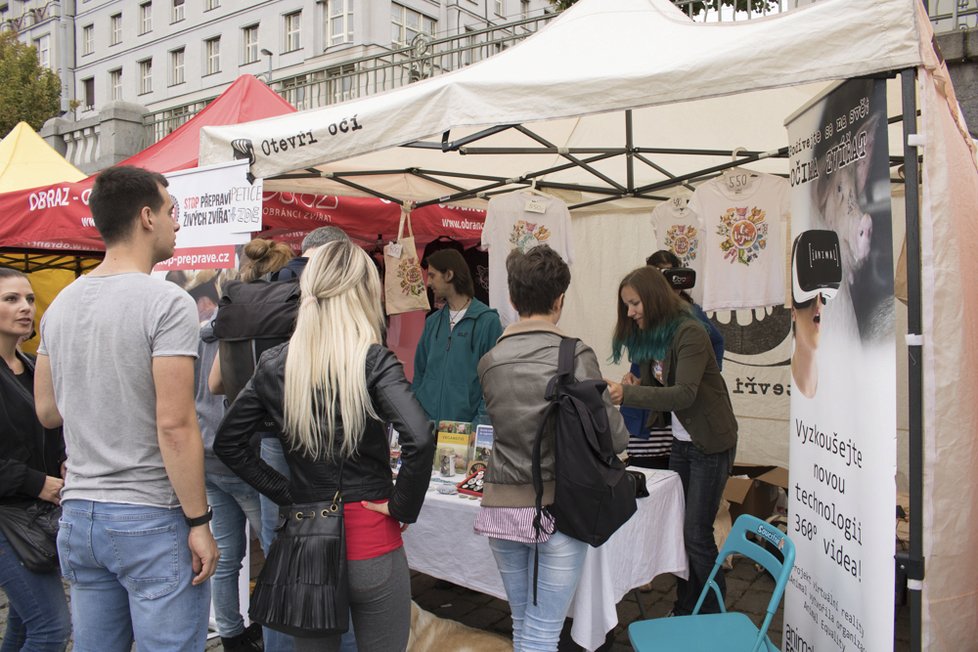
288	217
57	217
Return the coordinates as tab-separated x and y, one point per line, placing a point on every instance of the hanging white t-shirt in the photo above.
743	250
678	229
521	220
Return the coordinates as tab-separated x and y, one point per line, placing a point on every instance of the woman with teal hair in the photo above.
679	374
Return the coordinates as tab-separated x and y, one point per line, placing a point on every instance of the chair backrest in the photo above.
738	543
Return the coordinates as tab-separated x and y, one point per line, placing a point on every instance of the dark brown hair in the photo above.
445	260
660	303
536	279
118	195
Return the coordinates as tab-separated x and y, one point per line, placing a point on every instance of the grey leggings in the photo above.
380	601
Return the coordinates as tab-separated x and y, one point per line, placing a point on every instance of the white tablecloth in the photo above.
442	544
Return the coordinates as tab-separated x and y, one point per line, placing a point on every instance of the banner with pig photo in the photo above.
842	448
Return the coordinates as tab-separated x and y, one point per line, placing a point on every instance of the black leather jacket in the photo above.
366	475
28	452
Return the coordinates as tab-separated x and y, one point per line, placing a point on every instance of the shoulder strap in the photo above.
565	361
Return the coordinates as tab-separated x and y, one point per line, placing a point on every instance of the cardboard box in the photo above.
754	490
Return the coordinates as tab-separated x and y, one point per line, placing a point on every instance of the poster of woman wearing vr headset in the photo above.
842	450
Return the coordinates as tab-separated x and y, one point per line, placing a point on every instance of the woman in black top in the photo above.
30	467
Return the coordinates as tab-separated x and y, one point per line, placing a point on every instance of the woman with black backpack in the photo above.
514	377
679	374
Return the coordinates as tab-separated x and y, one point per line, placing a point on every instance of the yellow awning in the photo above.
26	161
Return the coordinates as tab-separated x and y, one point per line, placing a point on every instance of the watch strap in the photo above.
200	520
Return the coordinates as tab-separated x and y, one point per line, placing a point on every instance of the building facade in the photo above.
150	65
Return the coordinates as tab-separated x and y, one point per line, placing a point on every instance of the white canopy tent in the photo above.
617	103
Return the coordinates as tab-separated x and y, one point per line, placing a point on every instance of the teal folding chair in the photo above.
727	631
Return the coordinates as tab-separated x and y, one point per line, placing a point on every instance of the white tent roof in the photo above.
567	86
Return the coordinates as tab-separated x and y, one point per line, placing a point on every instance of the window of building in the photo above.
88	39
293	29
407	23
499	8
296	92
146	17
249	39
145	76
43	46
115	29
212	56
115	84
211	4
176	67
176	13
340	83
468	51
339	22
89	85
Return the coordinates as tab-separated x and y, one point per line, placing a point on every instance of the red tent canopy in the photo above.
56	217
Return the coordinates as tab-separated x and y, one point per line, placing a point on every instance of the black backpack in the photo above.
594	495
252	318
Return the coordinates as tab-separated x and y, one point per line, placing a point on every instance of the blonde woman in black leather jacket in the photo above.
330	391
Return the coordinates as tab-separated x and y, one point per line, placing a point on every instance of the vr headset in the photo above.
680	278
816	267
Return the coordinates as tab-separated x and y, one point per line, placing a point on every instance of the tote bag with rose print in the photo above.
404	288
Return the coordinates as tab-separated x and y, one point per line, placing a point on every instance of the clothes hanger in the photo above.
729	173
532	189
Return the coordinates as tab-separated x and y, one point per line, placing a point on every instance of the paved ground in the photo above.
747	590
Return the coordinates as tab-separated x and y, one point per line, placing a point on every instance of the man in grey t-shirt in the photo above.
116	367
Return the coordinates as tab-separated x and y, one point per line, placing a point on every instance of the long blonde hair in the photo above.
339	318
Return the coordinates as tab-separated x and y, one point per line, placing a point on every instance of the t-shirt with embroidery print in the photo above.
678	229
743	247
521	220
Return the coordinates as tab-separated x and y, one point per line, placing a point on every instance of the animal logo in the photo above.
744	232
526	235
683	240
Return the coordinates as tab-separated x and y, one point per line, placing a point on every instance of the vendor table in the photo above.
443	544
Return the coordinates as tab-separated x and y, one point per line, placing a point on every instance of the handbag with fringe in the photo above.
303	588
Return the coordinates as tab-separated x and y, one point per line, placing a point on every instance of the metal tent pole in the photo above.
912	562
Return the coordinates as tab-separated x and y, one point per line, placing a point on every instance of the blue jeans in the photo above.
537	627
274	455
235	504
704	477
37	620
130	571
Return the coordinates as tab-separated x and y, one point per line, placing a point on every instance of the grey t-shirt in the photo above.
101	334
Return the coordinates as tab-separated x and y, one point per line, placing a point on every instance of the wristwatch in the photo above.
200	520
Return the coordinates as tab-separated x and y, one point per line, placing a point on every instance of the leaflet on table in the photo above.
452	447
481	448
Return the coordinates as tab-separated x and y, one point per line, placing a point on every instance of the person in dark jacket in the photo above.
313	240
514	379
330	391
453	341
679	374
30	468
